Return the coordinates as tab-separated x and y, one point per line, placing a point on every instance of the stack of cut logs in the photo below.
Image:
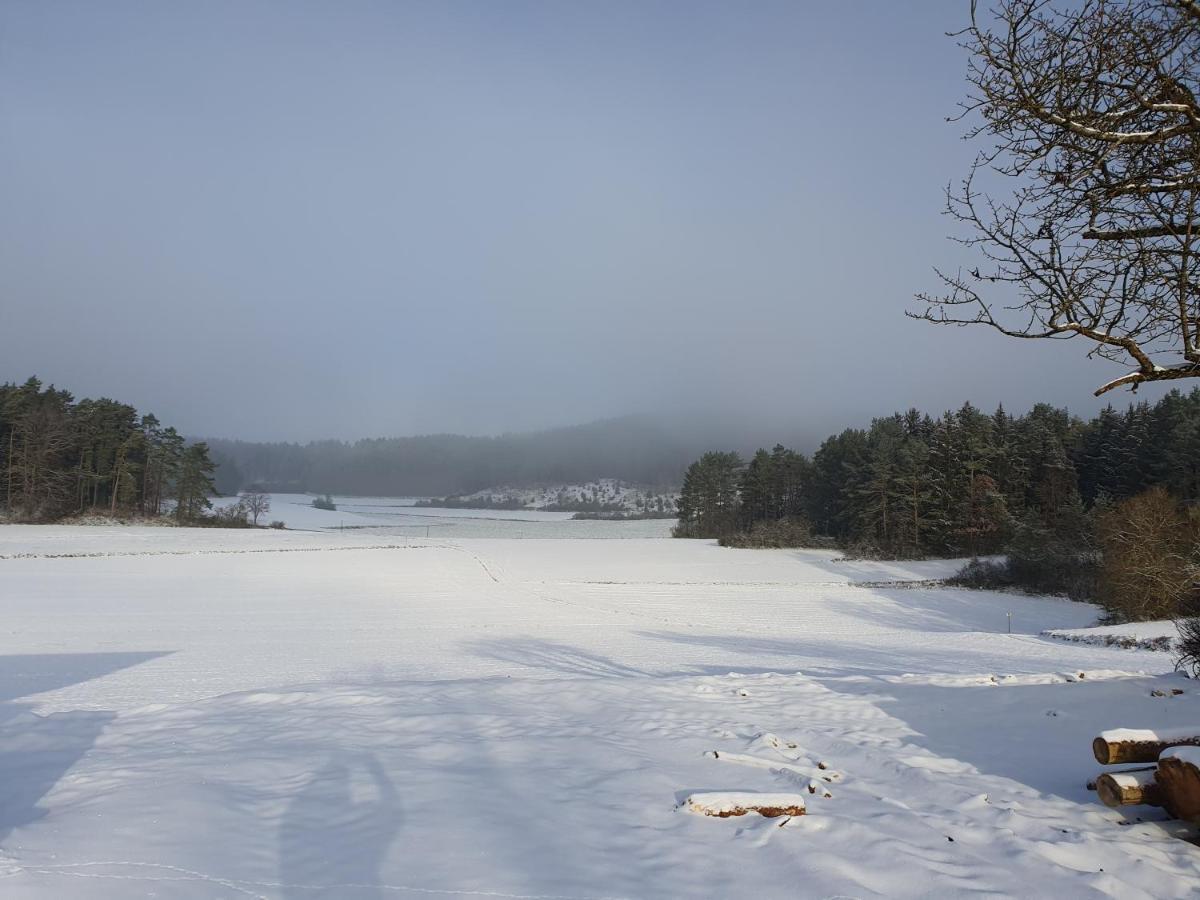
1173	783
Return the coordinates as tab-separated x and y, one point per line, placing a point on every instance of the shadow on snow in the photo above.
36	751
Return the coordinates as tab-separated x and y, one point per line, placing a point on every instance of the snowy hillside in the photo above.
605	492
208	714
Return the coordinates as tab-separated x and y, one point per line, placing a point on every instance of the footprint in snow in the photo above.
775	742
799	771
789	750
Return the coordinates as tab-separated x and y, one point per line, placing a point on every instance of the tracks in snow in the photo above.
114	554
250	888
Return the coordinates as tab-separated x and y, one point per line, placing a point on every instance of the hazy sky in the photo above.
296	220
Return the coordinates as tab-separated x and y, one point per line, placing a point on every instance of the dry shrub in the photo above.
792	532
1189	646
1149	558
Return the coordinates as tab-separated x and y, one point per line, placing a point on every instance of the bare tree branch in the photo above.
1094	133
1171	229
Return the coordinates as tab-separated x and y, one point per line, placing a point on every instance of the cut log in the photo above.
1140	745
724	805
1130	788
1179	781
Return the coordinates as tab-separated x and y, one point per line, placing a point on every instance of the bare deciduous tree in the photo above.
257	504
1087	226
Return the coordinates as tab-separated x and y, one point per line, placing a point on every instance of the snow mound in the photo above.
1013	680
1184	754
1160	635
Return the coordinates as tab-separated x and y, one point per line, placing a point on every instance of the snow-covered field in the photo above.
398	517
344	714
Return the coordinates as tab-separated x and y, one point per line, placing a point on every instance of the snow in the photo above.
399	518
1150	735
1133	780
197	713
1183	754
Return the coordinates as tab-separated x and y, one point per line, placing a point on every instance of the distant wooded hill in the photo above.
633	449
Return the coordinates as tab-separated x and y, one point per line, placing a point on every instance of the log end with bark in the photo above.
1131	788
1140	745
1178	780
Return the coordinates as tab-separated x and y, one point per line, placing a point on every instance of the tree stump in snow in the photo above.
726	805
1130	788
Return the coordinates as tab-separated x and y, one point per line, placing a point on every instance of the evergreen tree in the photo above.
194	483
917	528
834	489
877	499
708	501
758	500
969	483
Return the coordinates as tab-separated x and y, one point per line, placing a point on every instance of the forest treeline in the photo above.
633	449
61	456
1075	505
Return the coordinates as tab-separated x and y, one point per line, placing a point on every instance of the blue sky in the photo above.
295	220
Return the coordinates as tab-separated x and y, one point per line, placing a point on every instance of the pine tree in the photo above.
916	525
790	471
758	501
708	501
877	494
194	483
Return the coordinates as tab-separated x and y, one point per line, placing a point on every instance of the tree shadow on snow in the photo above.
816	655
336	832
1039	735
22	674
36	751
552	656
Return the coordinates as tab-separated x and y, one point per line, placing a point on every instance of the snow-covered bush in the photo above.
793	532
983	574
232	515
866	548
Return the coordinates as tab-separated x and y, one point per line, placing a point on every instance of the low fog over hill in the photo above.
634	449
